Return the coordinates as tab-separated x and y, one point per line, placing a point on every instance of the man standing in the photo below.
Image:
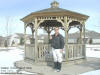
57	44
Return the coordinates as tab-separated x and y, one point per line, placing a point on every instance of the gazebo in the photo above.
48	19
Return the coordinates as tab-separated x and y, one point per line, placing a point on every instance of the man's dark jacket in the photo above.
57	42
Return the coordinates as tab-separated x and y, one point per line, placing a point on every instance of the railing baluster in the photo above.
75	51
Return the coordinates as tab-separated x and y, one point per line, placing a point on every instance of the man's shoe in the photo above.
58	70
59	66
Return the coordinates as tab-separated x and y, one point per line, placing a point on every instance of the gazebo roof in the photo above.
54	10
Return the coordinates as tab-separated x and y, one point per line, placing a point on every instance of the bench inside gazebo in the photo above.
48	19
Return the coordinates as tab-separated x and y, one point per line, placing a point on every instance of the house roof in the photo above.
20	34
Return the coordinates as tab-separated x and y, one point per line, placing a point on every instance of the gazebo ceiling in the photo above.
74	23
55	11
51	23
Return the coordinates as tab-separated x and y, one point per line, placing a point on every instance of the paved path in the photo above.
71	68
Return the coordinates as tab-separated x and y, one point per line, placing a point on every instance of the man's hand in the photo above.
50	37
61	50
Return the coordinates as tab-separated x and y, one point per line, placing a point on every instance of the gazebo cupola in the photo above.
54	4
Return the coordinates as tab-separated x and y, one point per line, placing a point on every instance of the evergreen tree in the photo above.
21	41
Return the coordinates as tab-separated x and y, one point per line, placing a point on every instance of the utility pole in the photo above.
7	32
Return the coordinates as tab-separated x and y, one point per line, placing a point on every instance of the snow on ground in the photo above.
9	55
92	51
96	72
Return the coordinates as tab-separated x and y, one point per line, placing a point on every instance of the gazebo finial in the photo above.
54	4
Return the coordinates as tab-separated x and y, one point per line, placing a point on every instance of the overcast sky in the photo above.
17	9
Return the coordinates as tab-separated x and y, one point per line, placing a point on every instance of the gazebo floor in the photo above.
70	68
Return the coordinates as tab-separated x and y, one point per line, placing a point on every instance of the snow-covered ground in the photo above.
96	72
8	57
92	51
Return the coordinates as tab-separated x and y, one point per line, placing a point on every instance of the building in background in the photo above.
2	41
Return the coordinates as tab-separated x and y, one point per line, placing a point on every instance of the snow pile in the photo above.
96	72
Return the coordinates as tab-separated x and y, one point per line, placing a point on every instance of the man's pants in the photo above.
57	56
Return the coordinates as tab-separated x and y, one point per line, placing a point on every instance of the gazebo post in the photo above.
32	40
66	38
48	31
82	33
48	36
32	33
36	40
82	37
83	41
25	39
80	40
